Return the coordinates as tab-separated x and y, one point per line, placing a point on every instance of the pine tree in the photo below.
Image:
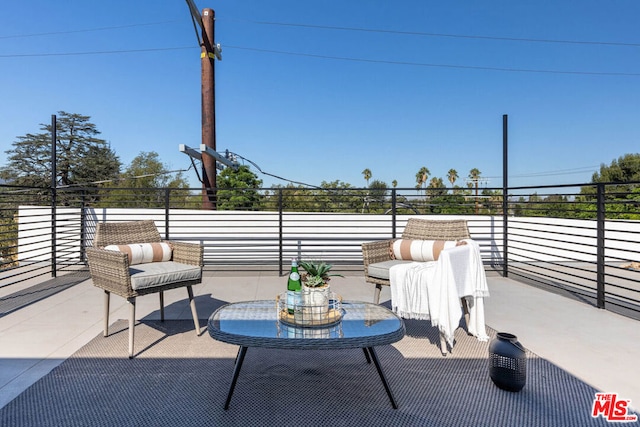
81	157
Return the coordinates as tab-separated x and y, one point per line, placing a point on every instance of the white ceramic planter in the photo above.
315	306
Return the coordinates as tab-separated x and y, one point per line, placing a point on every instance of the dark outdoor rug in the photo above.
180	379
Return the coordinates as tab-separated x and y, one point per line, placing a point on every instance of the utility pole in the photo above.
473	181
208	55
209	52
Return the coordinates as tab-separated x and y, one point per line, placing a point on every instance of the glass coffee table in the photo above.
257	324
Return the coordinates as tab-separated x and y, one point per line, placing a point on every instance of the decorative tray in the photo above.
332	317
306	314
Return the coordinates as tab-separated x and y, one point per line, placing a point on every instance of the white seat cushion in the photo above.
380	270
154	274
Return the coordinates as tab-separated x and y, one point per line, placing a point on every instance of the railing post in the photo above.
505	234
393	213
167	206
54	242
83	227
54	194
280	243
600	239
505	196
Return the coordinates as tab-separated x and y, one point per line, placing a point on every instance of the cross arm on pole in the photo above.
195	154
219	158
189	151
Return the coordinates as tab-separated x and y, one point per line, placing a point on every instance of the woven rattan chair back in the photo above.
421	229
124	233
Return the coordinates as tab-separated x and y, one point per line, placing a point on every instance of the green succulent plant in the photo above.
316	273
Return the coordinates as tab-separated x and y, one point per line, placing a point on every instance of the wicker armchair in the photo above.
377	255
110	269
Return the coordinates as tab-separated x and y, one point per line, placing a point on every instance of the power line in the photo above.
87	30
97	52
572	171
272	175
337	58
422	64
462	36
232	157
552	173
330	57
556	173
125	177
341	28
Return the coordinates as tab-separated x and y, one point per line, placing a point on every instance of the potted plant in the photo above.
315	289
316	273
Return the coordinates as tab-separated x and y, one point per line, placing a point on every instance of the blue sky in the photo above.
319	99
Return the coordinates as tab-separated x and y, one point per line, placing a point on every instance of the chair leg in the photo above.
376	295
465	310
161	306
107	298
443	344
194	312
132	323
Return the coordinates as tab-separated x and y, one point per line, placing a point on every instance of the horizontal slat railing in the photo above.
552	235
559	241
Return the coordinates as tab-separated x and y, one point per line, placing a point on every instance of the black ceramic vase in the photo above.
507	362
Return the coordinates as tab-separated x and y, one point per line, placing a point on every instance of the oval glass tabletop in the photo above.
257	324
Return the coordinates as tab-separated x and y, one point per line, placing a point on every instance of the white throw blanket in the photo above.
432	290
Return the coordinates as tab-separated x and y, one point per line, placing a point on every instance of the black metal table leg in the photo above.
236	371
376	362
366	354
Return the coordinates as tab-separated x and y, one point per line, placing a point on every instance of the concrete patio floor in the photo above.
597	346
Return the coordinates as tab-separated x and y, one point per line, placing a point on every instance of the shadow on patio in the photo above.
178	378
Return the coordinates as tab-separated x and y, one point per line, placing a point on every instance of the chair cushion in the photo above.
150	275
420	250
141	253
380	270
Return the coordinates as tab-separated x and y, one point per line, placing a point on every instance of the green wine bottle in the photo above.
294	286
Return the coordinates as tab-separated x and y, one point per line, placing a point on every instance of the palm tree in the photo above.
367	175
452	175
422	176
394	183
436	187
474	176
436	182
